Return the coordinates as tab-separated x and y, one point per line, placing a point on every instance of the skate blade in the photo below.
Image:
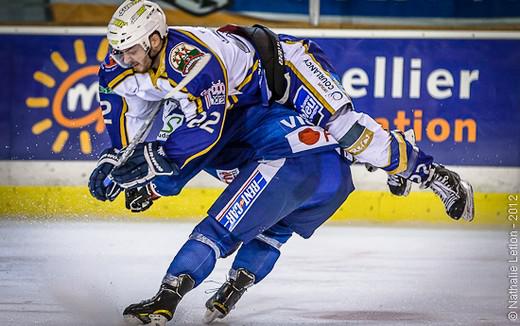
132	320
469	209
210	316
155	320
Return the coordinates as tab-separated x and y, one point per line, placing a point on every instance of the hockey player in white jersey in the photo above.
251	65
248	66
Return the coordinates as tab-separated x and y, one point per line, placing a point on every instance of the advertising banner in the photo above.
461	96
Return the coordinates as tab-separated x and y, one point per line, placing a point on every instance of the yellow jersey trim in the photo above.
161	70
249	76
122	125
119	78
174	84
246	81
310	87
306	51
403	157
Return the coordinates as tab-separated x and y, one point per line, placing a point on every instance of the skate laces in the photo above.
442	186
213	290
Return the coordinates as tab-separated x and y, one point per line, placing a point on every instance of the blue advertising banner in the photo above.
49	94
461	96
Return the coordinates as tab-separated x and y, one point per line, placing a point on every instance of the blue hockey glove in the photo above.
147	161
97	183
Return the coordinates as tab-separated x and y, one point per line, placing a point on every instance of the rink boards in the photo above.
30	195
360	208
459	91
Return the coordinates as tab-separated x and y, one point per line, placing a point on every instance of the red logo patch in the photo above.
110	64
309	136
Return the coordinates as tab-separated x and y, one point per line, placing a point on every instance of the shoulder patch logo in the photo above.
215	95
308	106
183	57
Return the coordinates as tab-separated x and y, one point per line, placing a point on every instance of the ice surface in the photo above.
73	273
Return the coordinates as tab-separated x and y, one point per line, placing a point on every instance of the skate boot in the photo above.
159	309
456	194
398	185
221	303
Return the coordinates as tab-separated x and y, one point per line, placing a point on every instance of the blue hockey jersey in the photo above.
252	134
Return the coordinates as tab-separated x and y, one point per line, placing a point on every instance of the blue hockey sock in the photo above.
195	259
256	257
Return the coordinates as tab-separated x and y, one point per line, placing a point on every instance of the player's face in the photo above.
137	58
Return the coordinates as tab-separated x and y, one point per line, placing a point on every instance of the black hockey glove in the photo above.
147	161
100	187
140	199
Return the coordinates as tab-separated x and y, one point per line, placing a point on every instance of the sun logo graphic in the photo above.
74	101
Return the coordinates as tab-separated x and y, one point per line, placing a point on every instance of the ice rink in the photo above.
85	273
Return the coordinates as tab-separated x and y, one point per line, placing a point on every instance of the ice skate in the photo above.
456	194
221	303
159	309
398	185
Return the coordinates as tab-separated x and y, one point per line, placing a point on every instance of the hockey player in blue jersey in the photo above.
202	129
255	66
288	179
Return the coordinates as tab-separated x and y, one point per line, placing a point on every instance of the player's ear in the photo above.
155	41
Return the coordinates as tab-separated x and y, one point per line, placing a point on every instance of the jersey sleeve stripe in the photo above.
249	76
403	157
119	78
306	50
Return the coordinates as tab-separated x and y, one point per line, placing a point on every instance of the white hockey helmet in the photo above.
133	23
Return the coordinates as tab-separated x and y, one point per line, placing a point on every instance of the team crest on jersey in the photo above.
308	106
183	57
